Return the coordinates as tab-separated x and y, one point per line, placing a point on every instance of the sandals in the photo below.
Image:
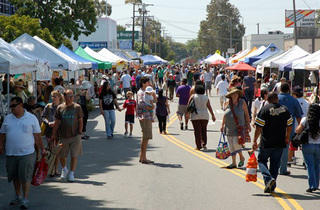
146	161
241	163
231	166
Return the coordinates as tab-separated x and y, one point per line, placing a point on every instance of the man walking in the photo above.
69	121
145	119
249	83
20	131
126	82
183	93
222	90
295	110
207	77
274	123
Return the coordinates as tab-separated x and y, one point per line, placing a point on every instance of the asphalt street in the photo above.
109	175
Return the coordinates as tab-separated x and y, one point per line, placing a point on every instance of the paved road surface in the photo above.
110	177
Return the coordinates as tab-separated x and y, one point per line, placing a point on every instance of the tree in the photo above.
61	17
214	31
133	2
121	28
102	8
193	48
14	26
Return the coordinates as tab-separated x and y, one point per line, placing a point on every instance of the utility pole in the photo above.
143	11
258	24
295	23
133	19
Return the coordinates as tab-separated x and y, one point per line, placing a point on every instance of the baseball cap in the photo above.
149	89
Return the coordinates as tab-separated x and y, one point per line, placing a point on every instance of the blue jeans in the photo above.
110	121
284	160
311	155
274	154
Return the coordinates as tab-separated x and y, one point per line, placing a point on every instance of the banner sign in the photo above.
127	35
94	45
125	44
305	18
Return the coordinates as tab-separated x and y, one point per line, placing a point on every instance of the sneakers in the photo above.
270	185
130	135
204	148
186	127
181	125
126	133
71	177
64	173
16	201
85	137
24	204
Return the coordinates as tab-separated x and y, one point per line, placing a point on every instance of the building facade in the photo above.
6	8
257	40
105	36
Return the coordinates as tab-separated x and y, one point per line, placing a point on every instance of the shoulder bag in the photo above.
192	106
243	132
301	138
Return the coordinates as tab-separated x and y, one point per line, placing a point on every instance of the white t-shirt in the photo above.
19	133
207	76
126	79
223	87
218	79
311	140
257	104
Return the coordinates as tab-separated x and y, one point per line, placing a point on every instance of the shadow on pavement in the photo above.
167	165
99	156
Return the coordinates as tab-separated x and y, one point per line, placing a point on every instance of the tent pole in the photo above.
8	93
35	86
317	98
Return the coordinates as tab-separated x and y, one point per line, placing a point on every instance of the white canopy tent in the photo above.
239	55
113	58
301	63
161	59
213	58
314	62
288	57
54	58
96	55
254	53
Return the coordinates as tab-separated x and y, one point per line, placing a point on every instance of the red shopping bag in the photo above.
40	172
252	165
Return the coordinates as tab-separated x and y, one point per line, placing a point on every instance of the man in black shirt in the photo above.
274	123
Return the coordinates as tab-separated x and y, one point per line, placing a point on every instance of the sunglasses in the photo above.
14	105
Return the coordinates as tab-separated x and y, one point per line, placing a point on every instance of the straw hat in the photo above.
232	91
19	84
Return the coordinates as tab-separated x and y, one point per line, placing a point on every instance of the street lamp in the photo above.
230	21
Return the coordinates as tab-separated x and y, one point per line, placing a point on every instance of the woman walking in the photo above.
107	101
200	118
48	117
311	151
162	111
236	116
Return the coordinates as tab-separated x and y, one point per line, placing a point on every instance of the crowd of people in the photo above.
59	113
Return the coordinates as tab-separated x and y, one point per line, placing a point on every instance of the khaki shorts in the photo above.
20	167
72	145
182	110
146	129
233	145
223	99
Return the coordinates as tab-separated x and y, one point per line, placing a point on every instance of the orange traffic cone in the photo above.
252	166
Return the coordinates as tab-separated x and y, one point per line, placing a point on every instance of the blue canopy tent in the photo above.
76	57
268	52
120	53
150	60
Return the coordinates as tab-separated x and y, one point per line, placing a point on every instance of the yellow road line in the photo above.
237	172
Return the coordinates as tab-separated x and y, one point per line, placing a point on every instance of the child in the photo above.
130	105
149	99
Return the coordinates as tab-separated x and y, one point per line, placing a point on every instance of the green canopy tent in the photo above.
101	64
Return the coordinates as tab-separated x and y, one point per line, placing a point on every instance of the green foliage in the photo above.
214	31
121	28
61	17
138	47
15	25
102	8
133	1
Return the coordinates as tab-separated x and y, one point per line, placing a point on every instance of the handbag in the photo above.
43	128
243	132
40	171
301	138
222	151
191	108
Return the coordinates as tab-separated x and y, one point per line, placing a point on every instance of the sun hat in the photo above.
149	89
234	90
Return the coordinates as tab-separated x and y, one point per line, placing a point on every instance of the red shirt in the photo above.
130	105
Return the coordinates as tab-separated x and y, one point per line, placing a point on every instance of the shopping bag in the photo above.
51	157
43	128
40	171
223	151
251	172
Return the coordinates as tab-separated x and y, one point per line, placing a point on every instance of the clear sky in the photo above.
181	18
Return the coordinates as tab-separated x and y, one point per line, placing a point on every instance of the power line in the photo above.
181	28
306	4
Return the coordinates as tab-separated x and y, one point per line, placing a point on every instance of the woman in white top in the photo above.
200	119
311	151
259	103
